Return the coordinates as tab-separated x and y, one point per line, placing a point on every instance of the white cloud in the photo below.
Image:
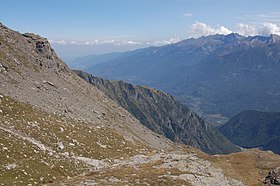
96	42
199	29
112	41
269	28
223	30
264	29
175	39
196	30
60	42
133	43
165	42
188	14
246	30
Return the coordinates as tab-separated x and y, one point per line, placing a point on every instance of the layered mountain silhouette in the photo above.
250	129
164	115
218	74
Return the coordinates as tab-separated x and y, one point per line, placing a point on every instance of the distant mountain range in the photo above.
218	74
250	129
164	115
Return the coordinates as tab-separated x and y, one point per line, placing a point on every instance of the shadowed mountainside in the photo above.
250	129
164	115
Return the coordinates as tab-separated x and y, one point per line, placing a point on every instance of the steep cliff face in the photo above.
164	115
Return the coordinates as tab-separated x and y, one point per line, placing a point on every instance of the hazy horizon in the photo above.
79	28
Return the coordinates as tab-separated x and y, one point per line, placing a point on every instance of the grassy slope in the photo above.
36	166
250	167
20	122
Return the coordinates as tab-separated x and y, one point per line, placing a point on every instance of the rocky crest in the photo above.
42	53
164	115
43	48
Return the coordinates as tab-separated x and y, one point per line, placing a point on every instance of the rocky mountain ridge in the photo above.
164	115
35	75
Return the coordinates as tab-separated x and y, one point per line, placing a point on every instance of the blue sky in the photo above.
116	25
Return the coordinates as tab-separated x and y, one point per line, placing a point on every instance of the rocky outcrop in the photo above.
164	115
273	177
28	44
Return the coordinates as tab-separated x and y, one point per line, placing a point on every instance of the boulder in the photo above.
273	177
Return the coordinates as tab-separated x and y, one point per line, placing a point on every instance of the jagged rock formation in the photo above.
251	128
273	177
164	115
219	74
57	129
